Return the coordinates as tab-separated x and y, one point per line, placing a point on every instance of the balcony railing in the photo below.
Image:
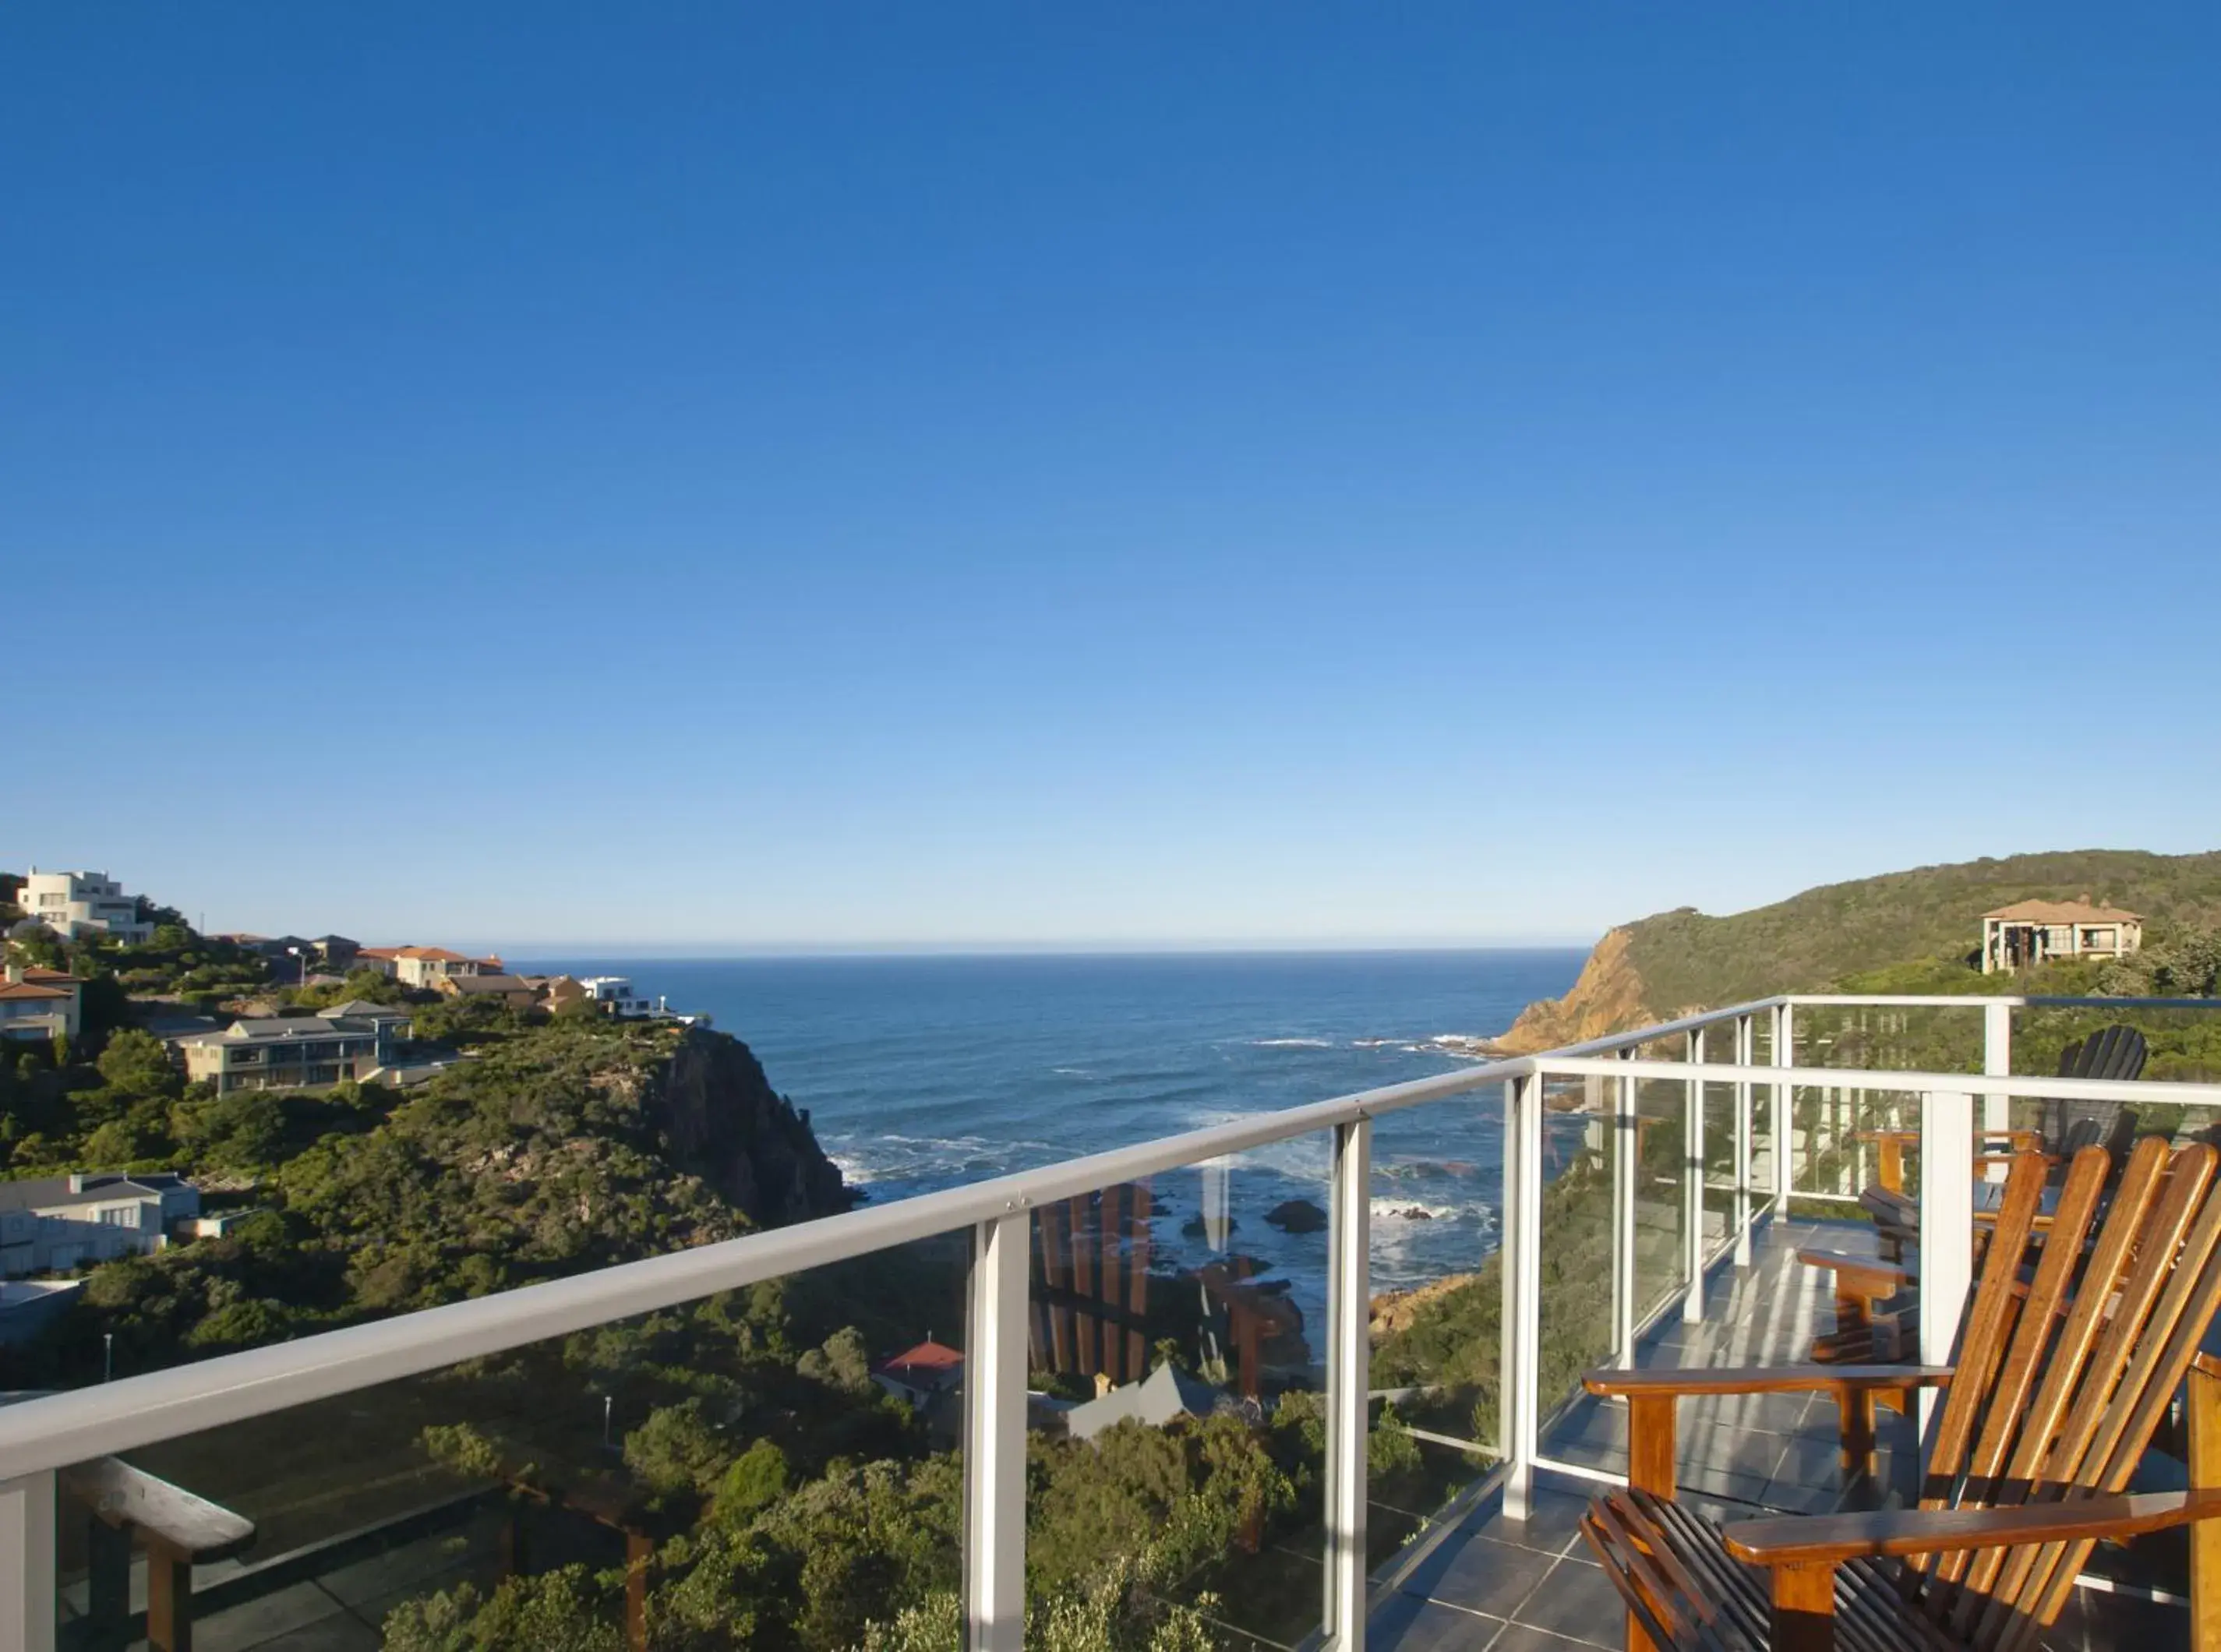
1666	1148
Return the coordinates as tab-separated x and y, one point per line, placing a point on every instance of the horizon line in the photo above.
649	949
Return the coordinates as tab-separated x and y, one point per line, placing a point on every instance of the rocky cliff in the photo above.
726	1124
1606	997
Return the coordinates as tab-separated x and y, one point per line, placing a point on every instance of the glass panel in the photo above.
1438	1309
1580	1148
782	1458
1177	1333
1660	1172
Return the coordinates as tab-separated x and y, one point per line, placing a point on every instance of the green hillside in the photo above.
1816	938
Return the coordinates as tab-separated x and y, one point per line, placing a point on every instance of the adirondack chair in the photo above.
2058	1385
1876	1300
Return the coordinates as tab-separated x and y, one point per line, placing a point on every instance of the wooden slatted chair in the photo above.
2059	1383
1876	1302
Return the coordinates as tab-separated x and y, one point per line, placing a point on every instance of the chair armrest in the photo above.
1760	1378
1806	1540
1885	1135
1867	1275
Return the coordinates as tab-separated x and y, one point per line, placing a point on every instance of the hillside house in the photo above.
38	1004
427	966
55	1224
616	995
287	1053
73	904
2036	931
512	990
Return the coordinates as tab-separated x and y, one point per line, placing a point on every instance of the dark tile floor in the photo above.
1495	1585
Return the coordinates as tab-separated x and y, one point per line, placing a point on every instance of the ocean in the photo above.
919	1072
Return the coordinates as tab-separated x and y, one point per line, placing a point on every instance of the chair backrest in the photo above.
2110	1053
2064	1371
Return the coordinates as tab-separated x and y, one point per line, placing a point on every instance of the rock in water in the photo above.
1297	1216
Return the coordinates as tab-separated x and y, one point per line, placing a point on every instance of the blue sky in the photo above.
860	474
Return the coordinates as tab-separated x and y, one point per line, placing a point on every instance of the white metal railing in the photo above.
40	1436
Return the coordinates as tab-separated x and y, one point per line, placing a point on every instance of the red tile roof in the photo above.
928	1355
32	990
2063	911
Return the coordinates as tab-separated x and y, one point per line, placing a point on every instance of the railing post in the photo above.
1348	1355
1947	1224
995	1436
1997	1062
1626	1172
1521	1351
27	1564
1785	1056
1692	1185
1745	1048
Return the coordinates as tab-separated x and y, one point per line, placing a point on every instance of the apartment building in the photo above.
287	1052
73	903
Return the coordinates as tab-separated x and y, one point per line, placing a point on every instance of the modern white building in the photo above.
616	995
56	1223
73	903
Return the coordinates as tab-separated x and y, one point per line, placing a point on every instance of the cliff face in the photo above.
1607	996
726	1124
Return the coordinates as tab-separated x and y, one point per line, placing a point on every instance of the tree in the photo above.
843	1360
676	1451
135	1063
757	1480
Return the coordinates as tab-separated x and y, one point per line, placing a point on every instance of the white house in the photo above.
616	995
2032	931
56	1223
73	903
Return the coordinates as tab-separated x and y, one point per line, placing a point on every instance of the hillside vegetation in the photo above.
1683	959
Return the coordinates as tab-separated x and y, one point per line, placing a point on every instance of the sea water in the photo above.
923	1072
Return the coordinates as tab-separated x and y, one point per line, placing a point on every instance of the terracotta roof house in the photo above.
2035	931
918	1375
38	1004
428	965
509	989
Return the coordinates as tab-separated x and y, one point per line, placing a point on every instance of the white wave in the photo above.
1291	1043
1391	1209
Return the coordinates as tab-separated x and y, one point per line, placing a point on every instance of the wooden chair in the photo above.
2058	1385
1876	1302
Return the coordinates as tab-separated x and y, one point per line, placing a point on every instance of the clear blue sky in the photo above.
1248	473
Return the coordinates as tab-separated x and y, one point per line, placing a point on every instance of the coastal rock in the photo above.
1193	1228
1396	1310
1414	1213
1297	1216
726	1124
1608	995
